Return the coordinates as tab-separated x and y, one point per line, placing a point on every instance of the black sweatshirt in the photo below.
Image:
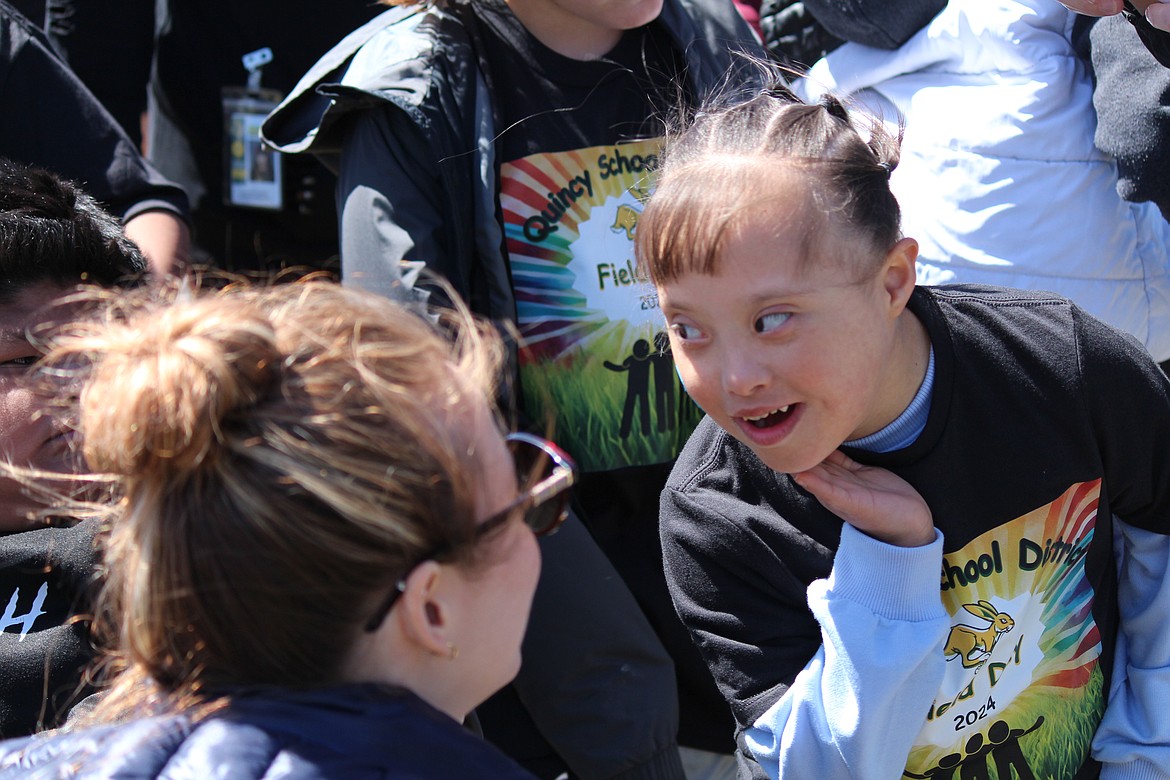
1044	423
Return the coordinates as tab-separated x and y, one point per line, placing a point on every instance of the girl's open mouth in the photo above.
769	419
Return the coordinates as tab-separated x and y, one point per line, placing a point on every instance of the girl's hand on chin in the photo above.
873	500
1158	14
1094	7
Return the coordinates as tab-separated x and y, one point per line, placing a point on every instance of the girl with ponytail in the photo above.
863	436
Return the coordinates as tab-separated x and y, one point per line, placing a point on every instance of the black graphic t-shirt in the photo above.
578	145
45	581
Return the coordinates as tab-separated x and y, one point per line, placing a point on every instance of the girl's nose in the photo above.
743	374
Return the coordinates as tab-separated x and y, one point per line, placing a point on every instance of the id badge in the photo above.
253	172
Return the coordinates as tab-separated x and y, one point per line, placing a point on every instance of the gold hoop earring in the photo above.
453	651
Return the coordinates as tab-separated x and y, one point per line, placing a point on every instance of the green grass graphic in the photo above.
587	400
1054	751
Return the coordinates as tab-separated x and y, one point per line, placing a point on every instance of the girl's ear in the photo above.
424	616
900	273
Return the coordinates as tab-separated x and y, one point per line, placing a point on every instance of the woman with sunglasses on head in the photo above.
322	556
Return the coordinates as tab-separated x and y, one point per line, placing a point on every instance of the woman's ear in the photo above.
424	615
899	273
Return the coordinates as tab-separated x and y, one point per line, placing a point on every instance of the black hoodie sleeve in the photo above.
877	23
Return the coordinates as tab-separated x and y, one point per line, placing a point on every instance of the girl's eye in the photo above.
769	322
686	332
21	362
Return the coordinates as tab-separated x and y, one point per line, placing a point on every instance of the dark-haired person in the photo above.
53	238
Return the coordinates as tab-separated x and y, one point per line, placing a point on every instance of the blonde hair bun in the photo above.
158	396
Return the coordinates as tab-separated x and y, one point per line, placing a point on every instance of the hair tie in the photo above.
887	169
835	107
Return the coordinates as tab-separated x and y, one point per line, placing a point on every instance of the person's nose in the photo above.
744	373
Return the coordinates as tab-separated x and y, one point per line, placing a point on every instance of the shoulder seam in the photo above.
703	469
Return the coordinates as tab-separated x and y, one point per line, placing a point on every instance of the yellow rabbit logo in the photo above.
973	645
627	220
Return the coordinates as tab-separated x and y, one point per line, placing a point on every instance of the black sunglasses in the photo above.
548	473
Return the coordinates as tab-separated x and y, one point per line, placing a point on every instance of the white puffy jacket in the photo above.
1000	182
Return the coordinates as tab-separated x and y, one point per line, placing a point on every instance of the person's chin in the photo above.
56	462
794	457
648	11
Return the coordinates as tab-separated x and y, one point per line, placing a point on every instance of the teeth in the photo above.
781	410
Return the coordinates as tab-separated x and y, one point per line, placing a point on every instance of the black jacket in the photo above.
800	33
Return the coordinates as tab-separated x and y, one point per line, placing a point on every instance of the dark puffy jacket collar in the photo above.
350	731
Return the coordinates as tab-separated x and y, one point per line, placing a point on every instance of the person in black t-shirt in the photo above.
53	237
132	53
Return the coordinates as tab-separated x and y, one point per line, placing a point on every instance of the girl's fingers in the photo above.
1158	14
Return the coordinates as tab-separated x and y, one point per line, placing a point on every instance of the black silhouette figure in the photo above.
1003	743
974	766
944	771
637	386
664	381
1006	749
